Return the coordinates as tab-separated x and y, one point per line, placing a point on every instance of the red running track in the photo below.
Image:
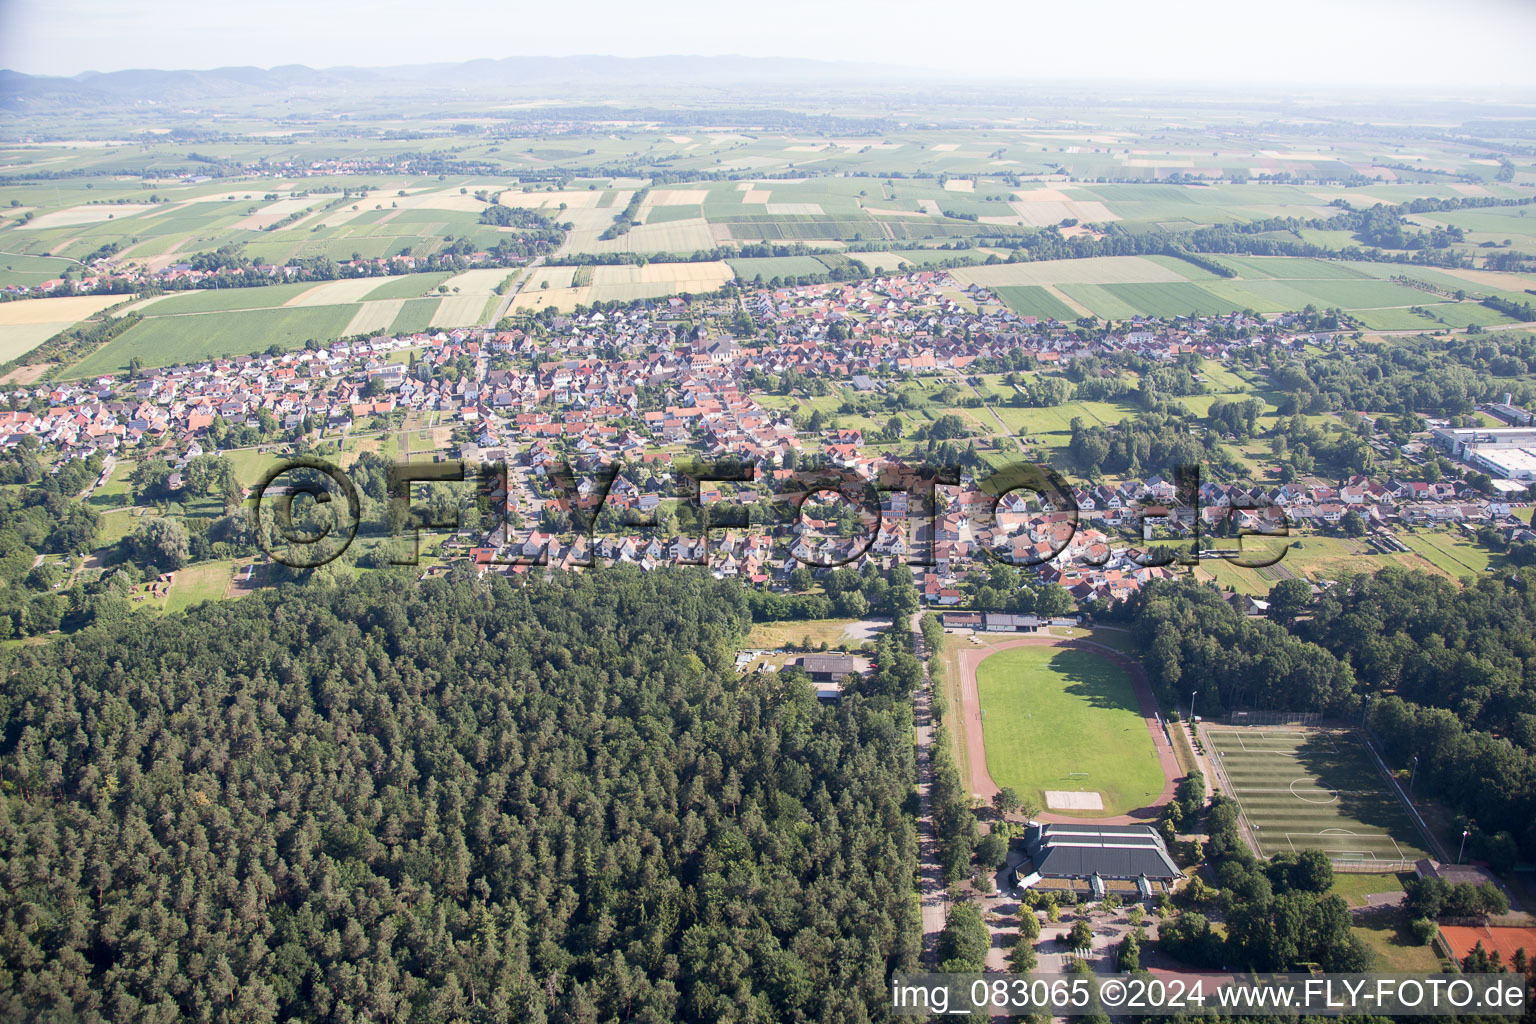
970	700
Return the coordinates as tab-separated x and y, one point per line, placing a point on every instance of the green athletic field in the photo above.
1049	713
1304	788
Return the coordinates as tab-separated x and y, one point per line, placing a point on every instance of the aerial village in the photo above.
644	386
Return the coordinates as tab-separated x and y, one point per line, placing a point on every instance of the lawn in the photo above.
114	526
1450	553
1355	888
1387	934
1049	714
1119	639
204	581
113	493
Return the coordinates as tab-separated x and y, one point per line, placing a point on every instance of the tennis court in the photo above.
1317	789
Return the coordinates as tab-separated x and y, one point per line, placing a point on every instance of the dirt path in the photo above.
970	716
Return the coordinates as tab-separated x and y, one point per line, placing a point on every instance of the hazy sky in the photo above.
1468	45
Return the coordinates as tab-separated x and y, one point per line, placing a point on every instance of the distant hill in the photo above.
583	76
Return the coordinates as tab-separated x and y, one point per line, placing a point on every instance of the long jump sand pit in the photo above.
1072	800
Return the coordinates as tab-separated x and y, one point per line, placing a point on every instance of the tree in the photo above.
992	851
1288	599
160	544
800	579
1022	957
1080	938
933	633
1054	599
1129	958
964	942
1006	800
448	859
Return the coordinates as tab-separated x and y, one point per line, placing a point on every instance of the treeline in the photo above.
1203	262
517	217
1191	639
625	218
75	343
1456	670
1150	442
750	250
229	267
1443	672
40	519
460	800
1430	376
1524	311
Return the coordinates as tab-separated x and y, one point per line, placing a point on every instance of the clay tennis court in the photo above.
1506	941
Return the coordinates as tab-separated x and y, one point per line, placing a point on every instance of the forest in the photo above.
1443	672
542	800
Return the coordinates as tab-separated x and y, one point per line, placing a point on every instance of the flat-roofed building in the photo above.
827	671
1066	852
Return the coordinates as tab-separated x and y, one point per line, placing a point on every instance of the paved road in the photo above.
108	464
934	897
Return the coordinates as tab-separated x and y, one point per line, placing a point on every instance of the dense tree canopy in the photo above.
459	800
1443	672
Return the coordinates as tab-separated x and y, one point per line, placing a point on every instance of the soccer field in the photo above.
1064	720
1313	788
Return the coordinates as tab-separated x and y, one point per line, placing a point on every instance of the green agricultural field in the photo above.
770	267
922	257
1171	299
1049	713
1397	320
665	214
1314	789
1286	268
1100	300
169	340
221	299
1345	294
1034	300
409	287
30	270
1464	314
416	315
